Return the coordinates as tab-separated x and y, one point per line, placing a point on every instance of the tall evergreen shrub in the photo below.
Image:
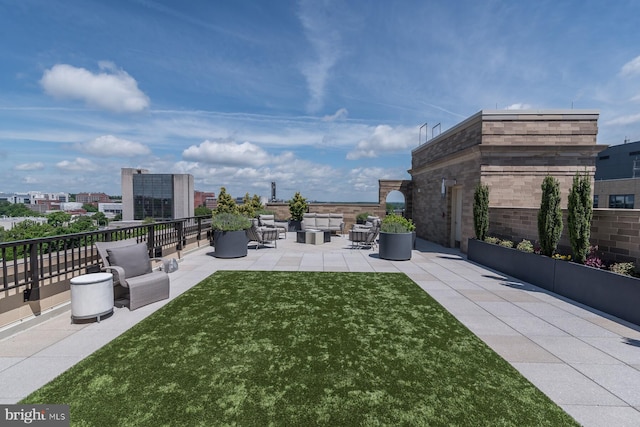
481	211
298	207
549	216
226	204
579	216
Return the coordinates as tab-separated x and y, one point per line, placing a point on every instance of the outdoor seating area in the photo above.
323	221
261	235
583	360
132	270
365	235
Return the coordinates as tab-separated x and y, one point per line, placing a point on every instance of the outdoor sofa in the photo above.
323	221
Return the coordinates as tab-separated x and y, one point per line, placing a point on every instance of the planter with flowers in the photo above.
396	238
580	277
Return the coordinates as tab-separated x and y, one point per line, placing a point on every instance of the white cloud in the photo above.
631	67
111	146
30	166
385	139
78	165
326	44
340	114
112	89
624	120
518	106
229	153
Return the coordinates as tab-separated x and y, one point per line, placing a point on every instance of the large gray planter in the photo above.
230	244
602	290
295	225
533	268
395	246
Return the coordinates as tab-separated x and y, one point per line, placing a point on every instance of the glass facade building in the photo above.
153	196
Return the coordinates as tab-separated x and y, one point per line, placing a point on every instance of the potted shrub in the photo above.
230	235
361	218
396	238
298	206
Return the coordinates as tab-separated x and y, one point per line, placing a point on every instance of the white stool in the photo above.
91	296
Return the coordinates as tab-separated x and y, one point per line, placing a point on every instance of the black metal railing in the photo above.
33	263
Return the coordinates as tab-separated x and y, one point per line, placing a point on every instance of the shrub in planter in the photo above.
361	218
298	206
491	239
230	235
579	216
525	246
549	216
226	204
396	238
506	243
481	211
593	259
624	268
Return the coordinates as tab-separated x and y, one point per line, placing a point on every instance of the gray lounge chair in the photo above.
131	267
262	235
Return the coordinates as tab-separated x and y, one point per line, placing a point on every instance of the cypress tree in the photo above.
549	216
579	216
226	204
481	211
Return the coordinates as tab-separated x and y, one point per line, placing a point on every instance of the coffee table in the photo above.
313	237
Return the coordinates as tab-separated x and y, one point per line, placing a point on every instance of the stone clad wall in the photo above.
511	152
616	232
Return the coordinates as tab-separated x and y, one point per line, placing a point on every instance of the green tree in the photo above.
58	218
481	211
579	216
298	206
100	218
81	224
202	211
89	207
226	204
549	216
16	210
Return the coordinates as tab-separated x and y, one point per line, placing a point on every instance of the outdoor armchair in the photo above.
131	267
262	235
270	221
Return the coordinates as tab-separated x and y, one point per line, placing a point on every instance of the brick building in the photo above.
203	198
511	151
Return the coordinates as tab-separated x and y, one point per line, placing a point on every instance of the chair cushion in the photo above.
322	221
268	220
133	259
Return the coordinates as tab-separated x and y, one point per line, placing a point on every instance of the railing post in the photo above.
180	235
199	229
33	293
151	239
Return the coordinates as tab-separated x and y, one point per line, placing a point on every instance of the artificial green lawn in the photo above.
300	349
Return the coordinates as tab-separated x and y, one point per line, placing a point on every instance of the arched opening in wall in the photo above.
395	203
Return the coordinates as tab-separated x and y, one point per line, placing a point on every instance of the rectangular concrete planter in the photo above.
602	290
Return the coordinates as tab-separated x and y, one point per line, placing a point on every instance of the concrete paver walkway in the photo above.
585	361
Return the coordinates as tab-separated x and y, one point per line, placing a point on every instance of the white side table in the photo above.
91	296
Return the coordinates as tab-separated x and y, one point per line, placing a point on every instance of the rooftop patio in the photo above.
585	361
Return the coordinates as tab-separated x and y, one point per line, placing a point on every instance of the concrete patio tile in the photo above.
516	295
31	374
618	326
502	308
79	345
621	380
486	325
478	295
31	341
516	348
566	386
531	325
543	309
580	327
7	362
573	350
598	416
623	349
464	284
431	285
459	305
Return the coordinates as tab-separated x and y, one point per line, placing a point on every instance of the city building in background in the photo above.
110	210
92	198
157	196
203	198
617	177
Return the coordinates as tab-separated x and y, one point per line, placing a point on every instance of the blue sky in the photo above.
322	97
